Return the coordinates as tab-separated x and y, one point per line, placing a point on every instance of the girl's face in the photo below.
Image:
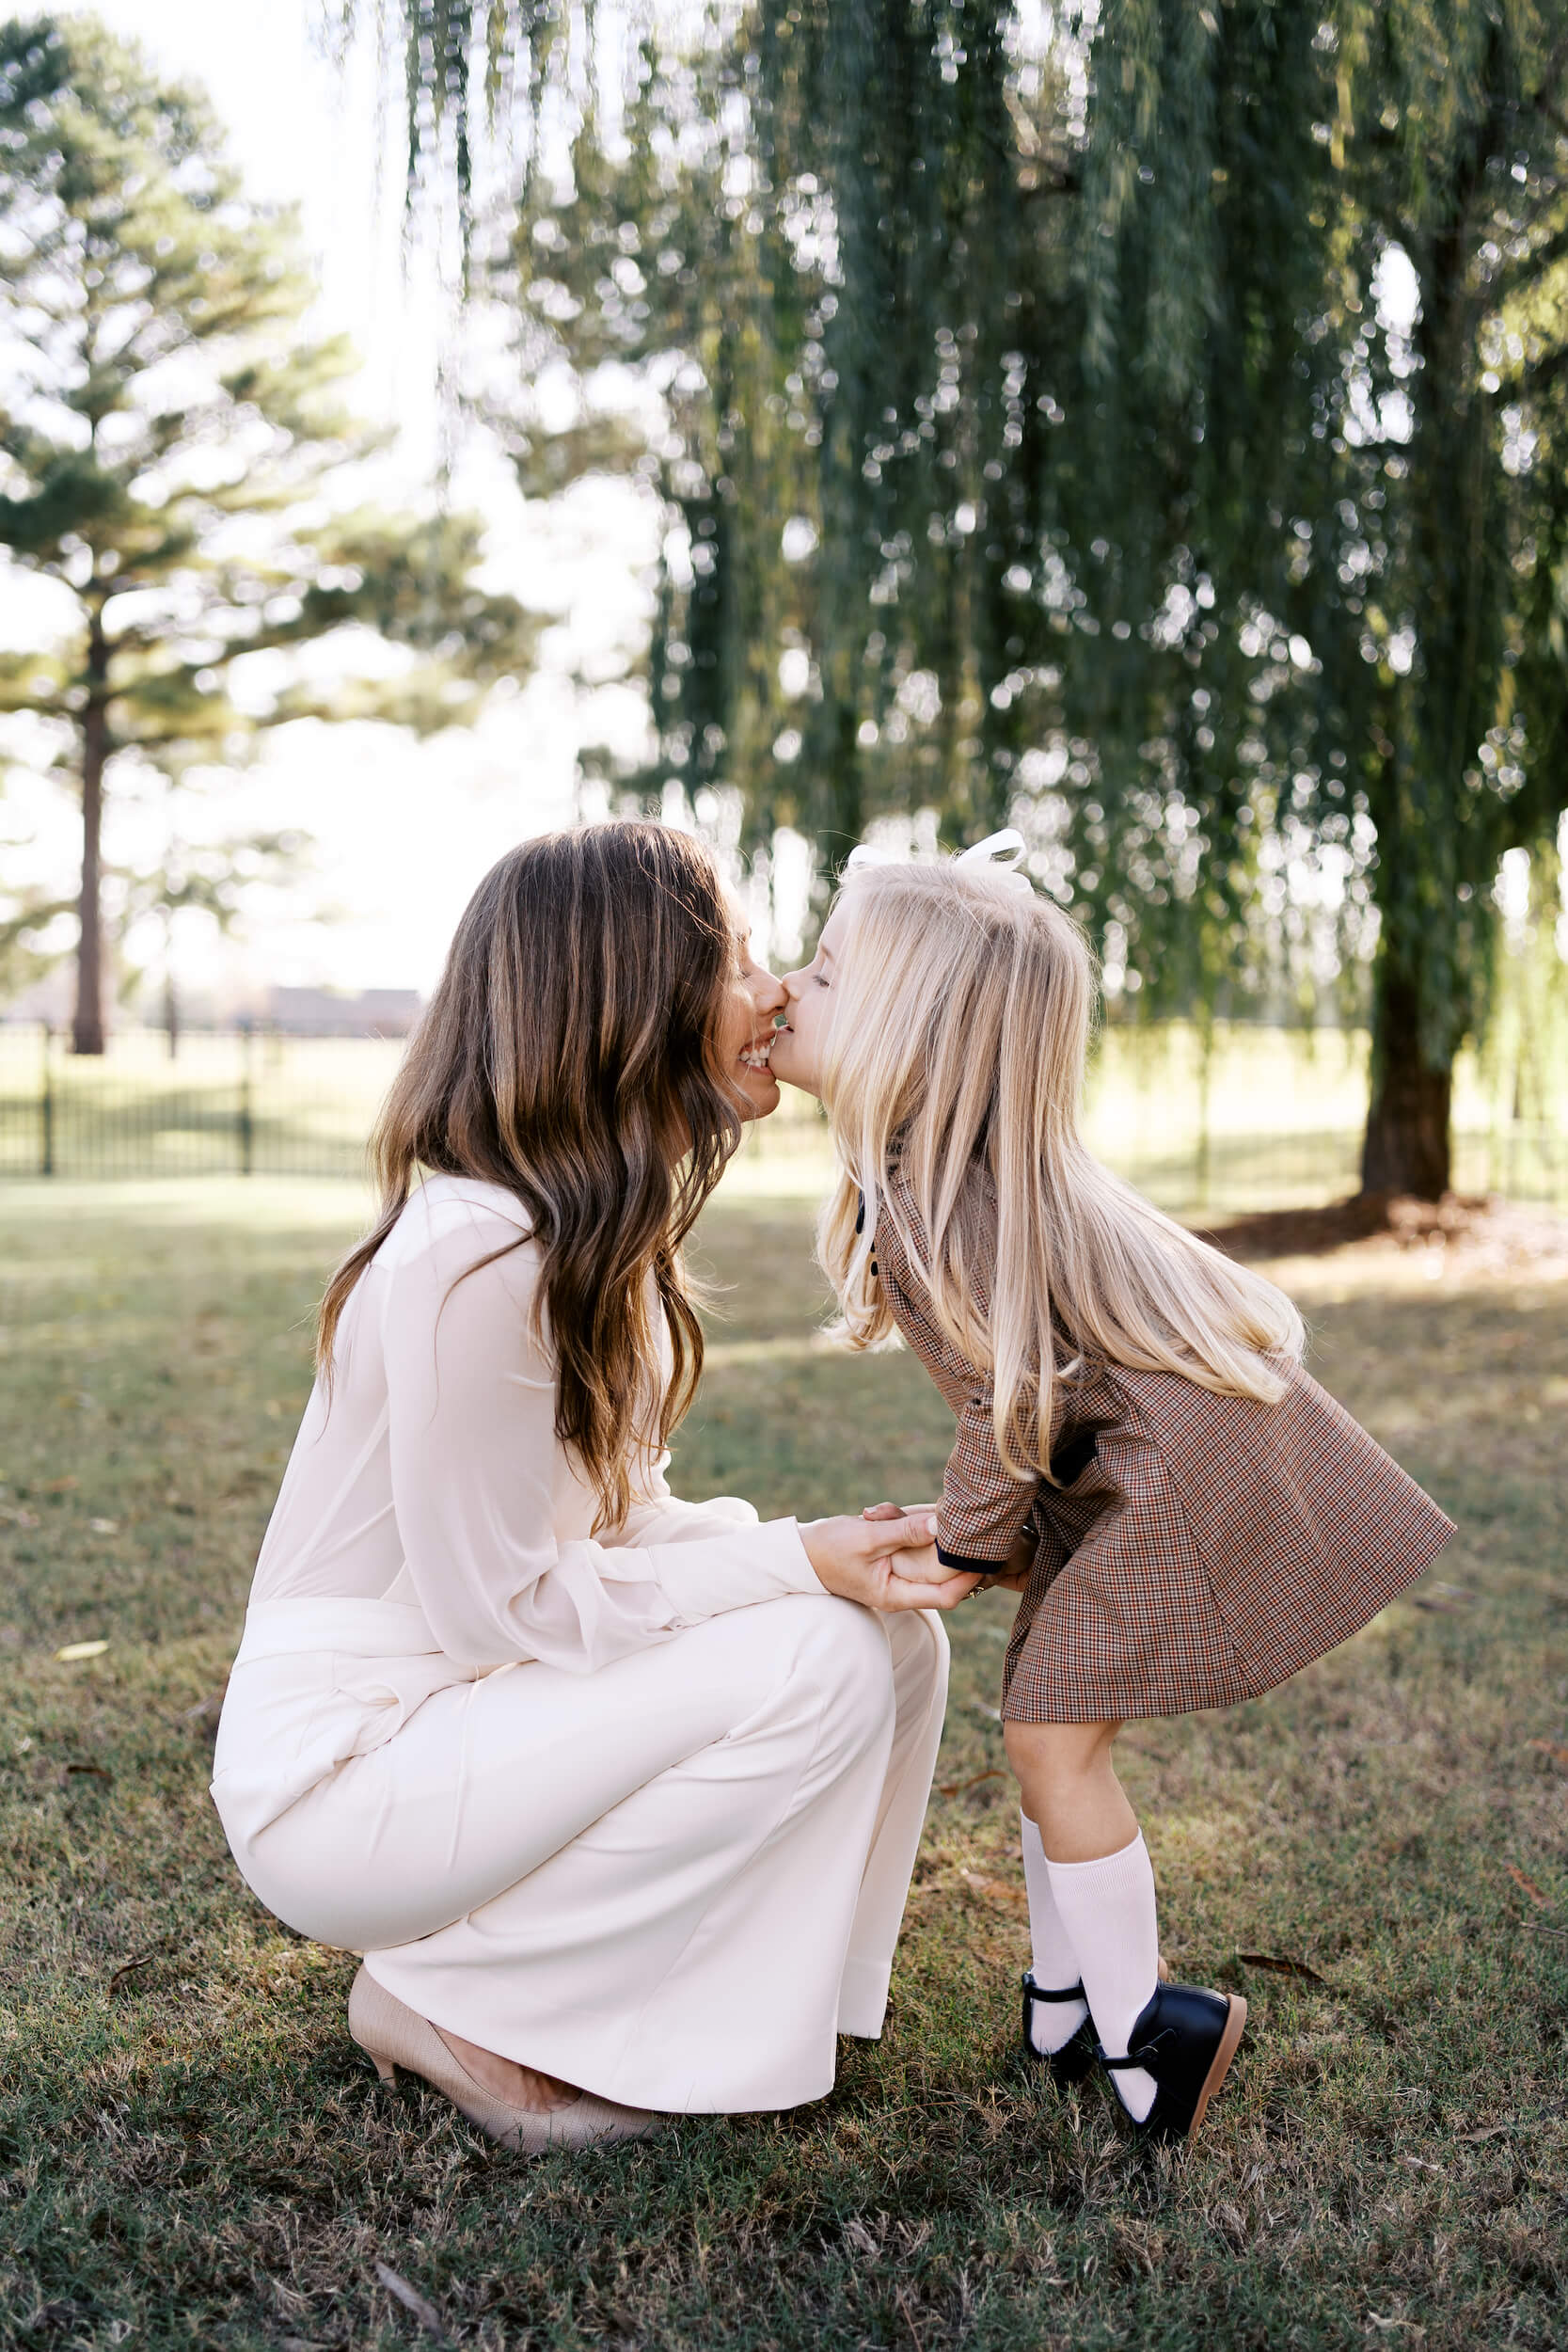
798	1046
746	1029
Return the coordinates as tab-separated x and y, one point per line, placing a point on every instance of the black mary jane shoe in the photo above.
1072	2062
1185	2038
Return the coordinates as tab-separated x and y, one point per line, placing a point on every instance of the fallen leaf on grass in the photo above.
962	1787
123	1976
1550	1747
73	1650
92	1771
61	1487
412	2301
103	1527
1473	2139
1440	1609
1528	1884
998	1889
1423	2164
1280	1968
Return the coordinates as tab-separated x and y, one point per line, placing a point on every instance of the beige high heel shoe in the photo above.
393	2035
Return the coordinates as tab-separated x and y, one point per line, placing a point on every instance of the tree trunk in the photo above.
87	1027
838	804
1407	1149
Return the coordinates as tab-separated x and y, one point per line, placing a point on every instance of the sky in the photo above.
403	831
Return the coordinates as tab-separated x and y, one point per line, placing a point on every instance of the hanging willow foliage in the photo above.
1150	427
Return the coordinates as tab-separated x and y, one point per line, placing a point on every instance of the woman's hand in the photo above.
889	1564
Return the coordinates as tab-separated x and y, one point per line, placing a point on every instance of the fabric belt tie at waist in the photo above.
363	1628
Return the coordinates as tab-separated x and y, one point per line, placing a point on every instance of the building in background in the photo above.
330	1012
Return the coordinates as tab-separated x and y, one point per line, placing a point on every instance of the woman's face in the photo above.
798	1046
746	1031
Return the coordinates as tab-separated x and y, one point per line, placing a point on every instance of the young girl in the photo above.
1189	1516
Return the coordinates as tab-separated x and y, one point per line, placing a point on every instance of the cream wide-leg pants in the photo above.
670	1882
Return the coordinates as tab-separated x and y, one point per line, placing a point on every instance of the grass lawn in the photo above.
193	2153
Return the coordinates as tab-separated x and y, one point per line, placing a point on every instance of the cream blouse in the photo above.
435	1474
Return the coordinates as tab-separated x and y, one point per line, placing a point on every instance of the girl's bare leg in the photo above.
1098	1901
1070	1790
1102	1886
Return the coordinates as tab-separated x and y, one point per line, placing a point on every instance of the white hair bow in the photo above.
1004	850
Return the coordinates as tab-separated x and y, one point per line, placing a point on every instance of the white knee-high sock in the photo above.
1052	1961
1107	1909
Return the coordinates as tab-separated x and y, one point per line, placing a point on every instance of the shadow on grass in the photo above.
193	2153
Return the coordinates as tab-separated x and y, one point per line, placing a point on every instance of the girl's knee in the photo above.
1057	1753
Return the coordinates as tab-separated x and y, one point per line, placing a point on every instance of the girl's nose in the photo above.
770	994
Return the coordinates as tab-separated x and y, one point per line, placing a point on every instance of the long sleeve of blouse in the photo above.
479	1480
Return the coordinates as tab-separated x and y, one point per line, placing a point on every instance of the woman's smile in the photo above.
757	1001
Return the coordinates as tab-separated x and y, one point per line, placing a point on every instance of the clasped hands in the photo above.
887	1558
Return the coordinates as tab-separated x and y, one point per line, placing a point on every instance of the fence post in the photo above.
46	1108
247	1116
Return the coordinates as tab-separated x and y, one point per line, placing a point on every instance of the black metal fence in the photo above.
1257	1118
240	1102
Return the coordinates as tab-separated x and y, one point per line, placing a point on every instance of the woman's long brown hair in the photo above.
569	1055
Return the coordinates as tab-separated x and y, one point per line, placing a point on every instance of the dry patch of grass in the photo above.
193	2153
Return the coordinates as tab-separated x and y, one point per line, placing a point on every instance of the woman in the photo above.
617	1795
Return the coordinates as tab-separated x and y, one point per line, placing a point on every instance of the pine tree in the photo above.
168	448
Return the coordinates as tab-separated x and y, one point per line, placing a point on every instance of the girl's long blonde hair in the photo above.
962	1004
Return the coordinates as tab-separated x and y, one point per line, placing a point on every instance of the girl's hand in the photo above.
1020	1562
1012	1579
929	1571
890	1564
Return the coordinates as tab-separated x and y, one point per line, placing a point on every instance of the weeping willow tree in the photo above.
1378	417
170	433
1146	424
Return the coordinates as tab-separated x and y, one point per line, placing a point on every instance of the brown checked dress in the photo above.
1195	1548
